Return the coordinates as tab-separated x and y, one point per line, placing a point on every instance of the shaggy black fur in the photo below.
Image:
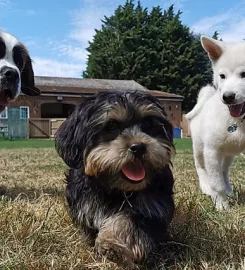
125	219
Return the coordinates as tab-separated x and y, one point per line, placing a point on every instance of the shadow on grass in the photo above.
240	197
201	236
29	194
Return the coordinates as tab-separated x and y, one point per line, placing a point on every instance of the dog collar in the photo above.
232	128
126	199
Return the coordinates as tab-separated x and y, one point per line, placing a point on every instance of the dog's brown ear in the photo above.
27	78
213	47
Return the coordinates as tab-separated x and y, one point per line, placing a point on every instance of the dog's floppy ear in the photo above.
213	47
27	77
69	137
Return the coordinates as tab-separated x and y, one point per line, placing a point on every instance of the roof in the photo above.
76	85
161	94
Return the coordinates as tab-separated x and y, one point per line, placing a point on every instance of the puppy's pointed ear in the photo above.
213	47
27	77
69	138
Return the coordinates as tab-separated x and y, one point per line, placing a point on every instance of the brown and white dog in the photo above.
16	73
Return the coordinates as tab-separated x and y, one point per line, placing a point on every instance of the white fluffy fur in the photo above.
214	147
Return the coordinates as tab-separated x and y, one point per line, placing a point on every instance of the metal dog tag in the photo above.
232	128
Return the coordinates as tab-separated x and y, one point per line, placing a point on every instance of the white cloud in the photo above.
51	67
73	50
229	24
5	7
83	21
236	32
88	18
30	42
5	3
212	23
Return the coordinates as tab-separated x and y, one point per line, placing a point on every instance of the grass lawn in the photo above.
36	232
45	143
7	144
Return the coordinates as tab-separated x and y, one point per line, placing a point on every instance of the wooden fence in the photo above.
47	127
44	127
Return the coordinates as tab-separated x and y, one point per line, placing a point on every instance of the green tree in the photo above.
153	48
216	36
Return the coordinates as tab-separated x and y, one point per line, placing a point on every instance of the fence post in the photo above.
49	128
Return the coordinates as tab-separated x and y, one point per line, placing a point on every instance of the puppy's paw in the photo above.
114	251
222	205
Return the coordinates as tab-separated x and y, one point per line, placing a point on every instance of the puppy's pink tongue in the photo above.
236	110
134	171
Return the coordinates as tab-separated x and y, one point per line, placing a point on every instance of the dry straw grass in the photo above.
36	231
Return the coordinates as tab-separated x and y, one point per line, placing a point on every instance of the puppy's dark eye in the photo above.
113	126
222	76
242	74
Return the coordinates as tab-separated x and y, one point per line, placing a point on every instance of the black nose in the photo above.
11	75
138	149
229	97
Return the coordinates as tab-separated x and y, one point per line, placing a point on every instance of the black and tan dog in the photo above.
119	185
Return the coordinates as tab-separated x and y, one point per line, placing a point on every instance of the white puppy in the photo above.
217	121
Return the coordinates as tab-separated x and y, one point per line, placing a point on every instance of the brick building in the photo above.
59	96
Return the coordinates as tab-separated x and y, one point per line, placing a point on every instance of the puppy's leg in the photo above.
213	166
121	241
227	162
200	167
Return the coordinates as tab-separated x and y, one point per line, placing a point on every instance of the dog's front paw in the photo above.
114	251
221	204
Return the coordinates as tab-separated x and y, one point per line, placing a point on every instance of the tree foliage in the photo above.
153	48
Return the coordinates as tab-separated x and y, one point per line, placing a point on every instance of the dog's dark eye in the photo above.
222	76
2	49
242	74
113	126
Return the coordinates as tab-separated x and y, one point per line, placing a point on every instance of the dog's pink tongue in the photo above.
236	110
134	171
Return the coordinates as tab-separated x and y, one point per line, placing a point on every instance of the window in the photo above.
4	114
24	112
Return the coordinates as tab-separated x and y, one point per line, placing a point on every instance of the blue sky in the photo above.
56	32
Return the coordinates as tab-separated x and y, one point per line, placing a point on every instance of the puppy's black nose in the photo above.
11	75
138	149
229	97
